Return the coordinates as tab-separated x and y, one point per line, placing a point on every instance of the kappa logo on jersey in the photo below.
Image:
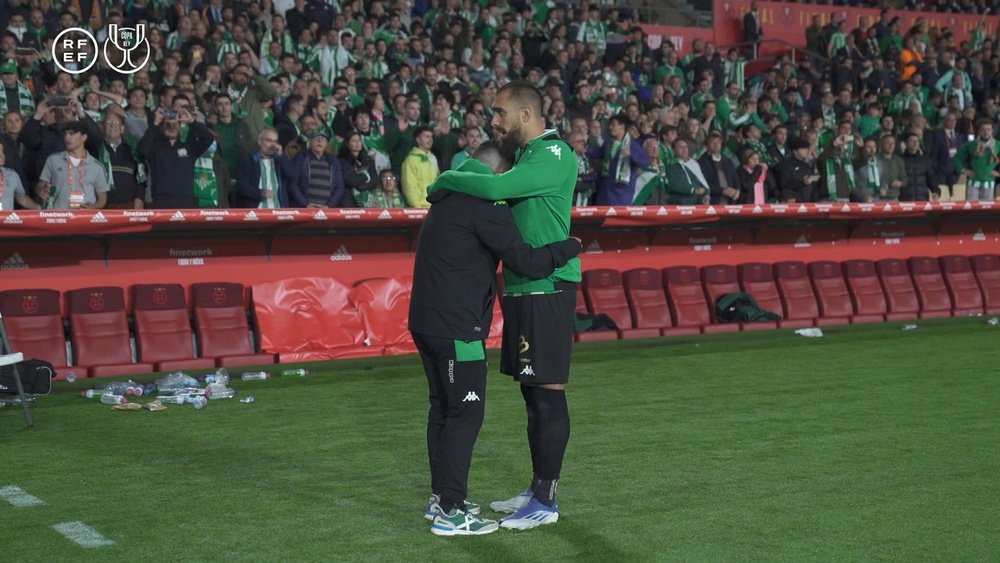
528	371
471	397
556	150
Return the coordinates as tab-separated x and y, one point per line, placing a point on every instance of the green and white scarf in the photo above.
736	72
844	161
623	171
206	183
333	61
24	98
594	33
268	181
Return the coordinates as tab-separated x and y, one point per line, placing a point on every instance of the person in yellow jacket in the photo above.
420	169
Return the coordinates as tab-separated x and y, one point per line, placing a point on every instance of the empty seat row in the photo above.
646	302
102	341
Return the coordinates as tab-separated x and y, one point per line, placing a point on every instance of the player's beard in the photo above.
511	141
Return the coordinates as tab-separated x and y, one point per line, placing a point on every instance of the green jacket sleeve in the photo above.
539	173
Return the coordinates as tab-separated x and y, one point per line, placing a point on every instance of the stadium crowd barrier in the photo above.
133	291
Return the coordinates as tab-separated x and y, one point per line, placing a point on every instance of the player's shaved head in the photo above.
523	94
490	154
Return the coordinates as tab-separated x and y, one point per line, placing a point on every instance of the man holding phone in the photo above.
171	159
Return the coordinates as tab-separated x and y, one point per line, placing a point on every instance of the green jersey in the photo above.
979	157
539	189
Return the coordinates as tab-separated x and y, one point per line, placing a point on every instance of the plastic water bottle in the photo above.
133	388
113	399
92	393
294	373
221	375
909	327
71	377
197	401
254	375
219	391
993	322
247	399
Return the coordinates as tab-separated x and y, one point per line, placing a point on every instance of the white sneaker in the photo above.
534	514
512	505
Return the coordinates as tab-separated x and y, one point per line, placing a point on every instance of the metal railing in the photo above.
797	52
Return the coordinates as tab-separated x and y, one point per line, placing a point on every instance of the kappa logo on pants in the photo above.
471	397
528	371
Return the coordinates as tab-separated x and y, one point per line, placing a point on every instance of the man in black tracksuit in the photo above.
451	310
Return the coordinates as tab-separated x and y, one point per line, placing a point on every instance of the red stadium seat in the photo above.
220	319
720	279
932	294
987	270
590	336
35	326
163	329
797	296
687	301
757	279
99	330
900	297
605	293
384	304
648	303
966	296
831	293
866	291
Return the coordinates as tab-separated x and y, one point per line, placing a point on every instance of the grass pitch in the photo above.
867	444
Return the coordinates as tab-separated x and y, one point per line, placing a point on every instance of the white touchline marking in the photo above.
82	534
19	497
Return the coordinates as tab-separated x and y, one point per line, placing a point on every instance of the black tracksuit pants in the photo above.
457	391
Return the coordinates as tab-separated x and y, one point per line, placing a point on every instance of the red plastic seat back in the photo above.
865	287
757	279
220	318
34	324
987	270
900	297
604	292
99	327
962	285
646	298
581	301
932	293
162	325
796	290
719	280
384	305
831	290
686	296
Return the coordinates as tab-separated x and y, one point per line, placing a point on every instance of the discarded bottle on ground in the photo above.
197	401
294	373
219	391
254	375
221	375
113	399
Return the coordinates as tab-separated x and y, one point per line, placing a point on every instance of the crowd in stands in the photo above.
337	103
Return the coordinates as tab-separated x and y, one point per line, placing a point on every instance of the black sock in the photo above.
550	436
527	393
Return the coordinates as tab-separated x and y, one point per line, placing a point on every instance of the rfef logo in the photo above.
126	50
